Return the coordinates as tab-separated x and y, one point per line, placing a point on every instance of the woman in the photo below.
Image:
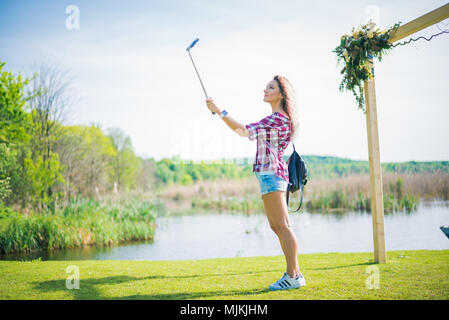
273	134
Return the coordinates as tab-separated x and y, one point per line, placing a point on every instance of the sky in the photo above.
130	69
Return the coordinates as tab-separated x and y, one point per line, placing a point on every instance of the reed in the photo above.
245	205
83	223
400	192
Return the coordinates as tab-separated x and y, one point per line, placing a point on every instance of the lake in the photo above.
220	235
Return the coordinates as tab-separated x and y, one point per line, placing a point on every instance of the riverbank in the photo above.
83	223
128	217
420	274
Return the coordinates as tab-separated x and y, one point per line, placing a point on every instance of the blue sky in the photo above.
131	70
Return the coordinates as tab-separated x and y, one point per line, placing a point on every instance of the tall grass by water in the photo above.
400	192
84	222
131	217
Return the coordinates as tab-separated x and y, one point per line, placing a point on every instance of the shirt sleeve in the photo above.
253	129
259	128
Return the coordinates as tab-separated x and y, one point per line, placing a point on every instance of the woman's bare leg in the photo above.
277	214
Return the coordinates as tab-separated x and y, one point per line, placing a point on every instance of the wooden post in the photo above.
377	205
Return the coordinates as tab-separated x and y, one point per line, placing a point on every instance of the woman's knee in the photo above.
276	212
280	228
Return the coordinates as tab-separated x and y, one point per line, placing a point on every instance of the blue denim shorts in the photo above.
269	182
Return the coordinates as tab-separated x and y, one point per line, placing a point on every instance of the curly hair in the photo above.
288	104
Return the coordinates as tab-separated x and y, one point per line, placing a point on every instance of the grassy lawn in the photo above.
421	274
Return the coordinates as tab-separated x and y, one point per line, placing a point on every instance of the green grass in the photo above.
421	274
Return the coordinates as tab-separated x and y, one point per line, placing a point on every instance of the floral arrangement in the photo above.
355	51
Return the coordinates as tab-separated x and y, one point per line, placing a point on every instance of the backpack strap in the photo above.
288	194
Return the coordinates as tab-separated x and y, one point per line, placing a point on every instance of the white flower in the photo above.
355	34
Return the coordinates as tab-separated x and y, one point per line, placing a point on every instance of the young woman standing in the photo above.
273	134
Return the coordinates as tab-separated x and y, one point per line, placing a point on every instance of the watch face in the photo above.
224	112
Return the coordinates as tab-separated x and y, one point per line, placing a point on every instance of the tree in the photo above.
49	99
42	174
13	117
85	154
146	176
14	122
125	165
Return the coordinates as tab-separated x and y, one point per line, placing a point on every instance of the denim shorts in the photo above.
269	182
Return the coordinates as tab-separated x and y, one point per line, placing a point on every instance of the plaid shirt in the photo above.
273	136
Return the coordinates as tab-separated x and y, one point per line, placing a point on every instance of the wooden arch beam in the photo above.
420	23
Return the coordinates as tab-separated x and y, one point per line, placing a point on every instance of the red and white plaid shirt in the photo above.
273	137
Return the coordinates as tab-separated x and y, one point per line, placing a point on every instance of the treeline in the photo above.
43	162
319	167
334	167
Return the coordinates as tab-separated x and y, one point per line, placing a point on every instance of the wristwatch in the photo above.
223	114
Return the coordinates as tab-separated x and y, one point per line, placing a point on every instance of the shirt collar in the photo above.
281	116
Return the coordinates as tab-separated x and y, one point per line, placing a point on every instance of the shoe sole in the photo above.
278	289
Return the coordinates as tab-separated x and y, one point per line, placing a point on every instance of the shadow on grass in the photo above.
89	288
193	295
344	266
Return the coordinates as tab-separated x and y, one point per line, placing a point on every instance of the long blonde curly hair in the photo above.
288	104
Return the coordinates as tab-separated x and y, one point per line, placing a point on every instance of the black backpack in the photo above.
297	175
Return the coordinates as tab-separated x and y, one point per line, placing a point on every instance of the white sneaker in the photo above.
286	282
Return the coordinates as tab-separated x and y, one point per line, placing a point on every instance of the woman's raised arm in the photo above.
236	126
